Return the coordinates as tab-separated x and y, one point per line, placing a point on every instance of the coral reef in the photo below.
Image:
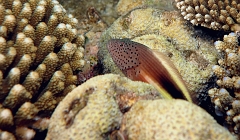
105	9
94	18
170	119
226	97
214	14
189	49
124	6
40	54
94	109
106	106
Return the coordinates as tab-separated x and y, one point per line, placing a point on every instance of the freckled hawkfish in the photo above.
139	63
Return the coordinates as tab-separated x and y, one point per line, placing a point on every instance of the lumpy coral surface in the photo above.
95	109
171	119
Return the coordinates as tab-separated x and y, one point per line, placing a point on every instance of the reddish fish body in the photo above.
140	63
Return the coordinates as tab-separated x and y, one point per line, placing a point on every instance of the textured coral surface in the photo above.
79	8
191	51
45	52
110	106
124	6
95	108
171	119
225	96
214	14
40	53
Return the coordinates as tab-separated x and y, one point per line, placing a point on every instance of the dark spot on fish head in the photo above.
124	53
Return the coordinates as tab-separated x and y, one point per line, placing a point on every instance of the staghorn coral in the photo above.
226	97
214	14
190	50
170	119
40	54
94	109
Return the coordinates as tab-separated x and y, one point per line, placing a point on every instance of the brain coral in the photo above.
40	53
190	50
94	109
170	119
214	14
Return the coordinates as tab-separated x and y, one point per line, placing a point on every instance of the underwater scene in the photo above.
119	70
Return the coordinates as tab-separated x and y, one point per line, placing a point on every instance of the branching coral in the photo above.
214	14
226	98
40	53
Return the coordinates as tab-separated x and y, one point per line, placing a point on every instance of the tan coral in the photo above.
226	99
24	133
37	37
6	118
124	6
94	109
5	135
217	15
26	112
155	120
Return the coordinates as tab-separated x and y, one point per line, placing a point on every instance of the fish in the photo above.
140	63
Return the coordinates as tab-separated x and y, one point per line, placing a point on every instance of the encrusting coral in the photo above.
170	119
214	14
226	97
40	54
94	109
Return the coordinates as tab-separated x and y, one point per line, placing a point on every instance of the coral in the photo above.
170	119
38	42
226	97
190	50
124	6
214	14
105	10
94	17
94	109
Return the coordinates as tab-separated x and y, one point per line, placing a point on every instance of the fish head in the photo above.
124	53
